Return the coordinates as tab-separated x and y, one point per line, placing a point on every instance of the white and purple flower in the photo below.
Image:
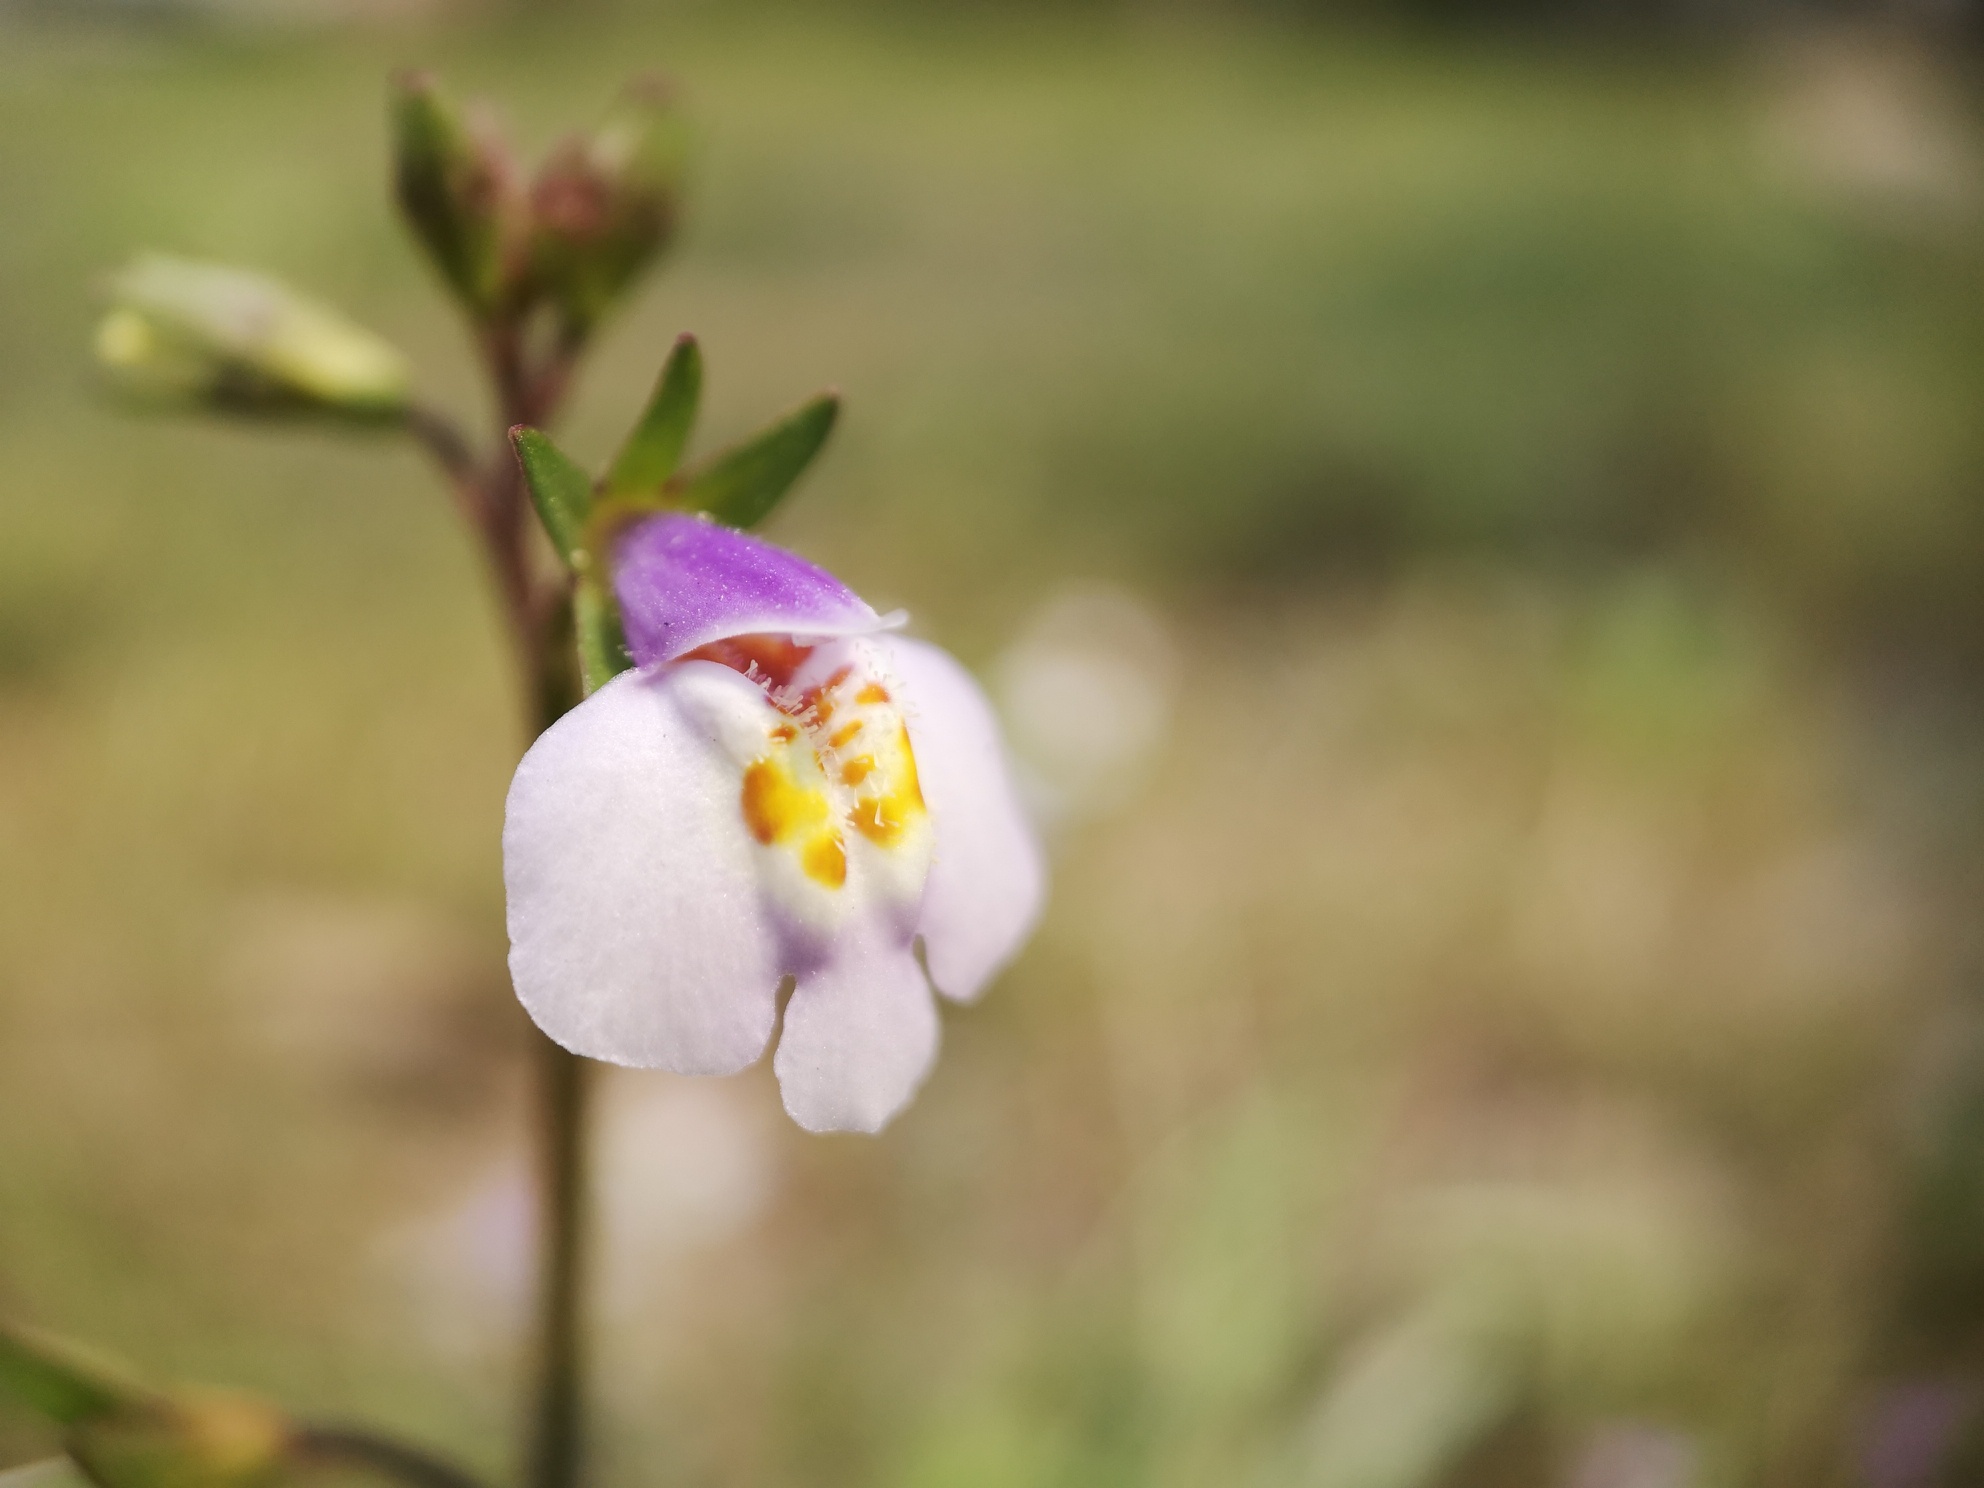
781	789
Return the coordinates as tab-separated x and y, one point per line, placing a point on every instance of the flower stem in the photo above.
537	609
556	1426
541	619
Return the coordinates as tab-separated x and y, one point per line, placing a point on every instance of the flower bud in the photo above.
604	205
208	1439
206	334
125	1435
458	185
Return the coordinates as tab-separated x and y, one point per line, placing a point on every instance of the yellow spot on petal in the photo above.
857	770
776	807
874	692
885	816
844	735
825	860
780	810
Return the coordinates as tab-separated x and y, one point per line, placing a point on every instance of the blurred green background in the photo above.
1477	533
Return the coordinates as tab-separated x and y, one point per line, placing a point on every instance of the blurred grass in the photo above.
1520	998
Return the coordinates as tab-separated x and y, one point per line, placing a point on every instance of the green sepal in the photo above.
63	1382
454	188
559	489
604	205
741	486
602	644
654	450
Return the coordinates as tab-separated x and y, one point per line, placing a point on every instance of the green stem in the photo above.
558	1419
538	610
542	623
558	1414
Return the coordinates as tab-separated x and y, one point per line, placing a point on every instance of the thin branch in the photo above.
557	1419
532	600
441	438
341	1445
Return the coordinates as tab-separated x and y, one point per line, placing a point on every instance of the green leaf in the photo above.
742	485
654	449
61	1381
559	488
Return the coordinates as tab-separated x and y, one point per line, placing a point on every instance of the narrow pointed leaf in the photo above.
742	485
654	449
60	1381
559	488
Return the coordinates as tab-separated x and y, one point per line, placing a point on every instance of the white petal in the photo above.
860	1035
638	932
988	877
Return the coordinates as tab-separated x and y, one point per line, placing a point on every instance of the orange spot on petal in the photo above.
776	807
884	818
825	860
764	791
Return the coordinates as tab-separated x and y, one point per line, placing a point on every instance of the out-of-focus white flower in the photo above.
464	1268
682	1166
1636	1454
1087	690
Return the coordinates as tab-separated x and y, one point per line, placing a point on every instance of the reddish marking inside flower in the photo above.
820	700
772	658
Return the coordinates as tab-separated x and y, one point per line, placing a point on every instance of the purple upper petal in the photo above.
684	581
